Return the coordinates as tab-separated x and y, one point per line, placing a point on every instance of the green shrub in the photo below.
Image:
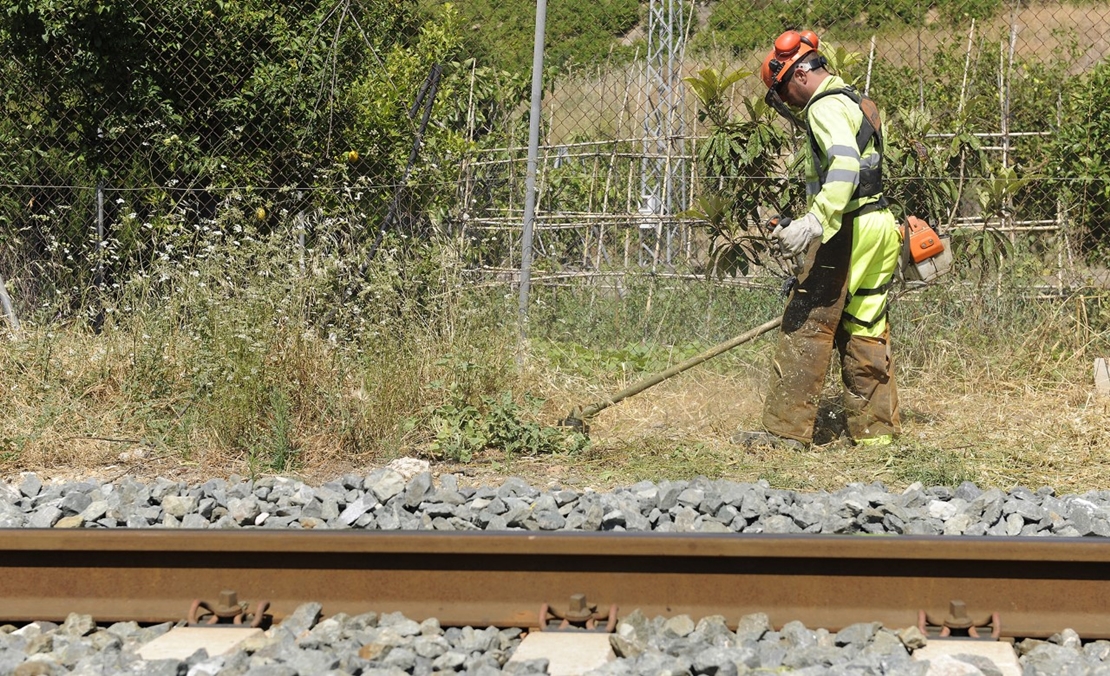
461	429
1082	156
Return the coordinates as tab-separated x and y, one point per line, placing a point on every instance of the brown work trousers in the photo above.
811	327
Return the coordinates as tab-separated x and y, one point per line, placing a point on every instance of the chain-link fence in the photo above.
136	134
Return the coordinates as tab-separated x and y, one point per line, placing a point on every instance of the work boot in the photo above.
761	438
881	440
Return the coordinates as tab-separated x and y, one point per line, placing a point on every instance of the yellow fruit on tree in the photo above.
260	213
352	156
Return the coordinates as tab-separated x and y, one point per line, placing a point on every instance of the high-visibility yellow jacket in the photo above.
833	167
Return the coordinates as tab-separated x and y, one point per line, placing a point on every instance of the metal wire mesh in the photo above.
133	133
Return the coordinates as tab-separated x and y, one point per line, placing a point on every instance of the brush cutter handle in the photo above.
720	348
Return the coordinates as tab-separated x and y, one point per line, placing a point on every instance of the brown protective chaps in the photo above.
811	328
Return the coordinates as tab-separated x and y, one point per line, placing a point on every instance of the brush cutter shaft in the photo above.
594	409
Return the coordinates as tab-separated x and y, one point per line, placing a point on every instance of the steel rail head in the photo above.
1035	585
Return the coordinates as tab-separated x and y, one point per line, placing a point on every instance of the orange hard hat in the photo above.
789	48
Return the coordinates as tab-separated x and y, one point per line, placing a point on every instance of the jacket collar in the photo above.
831	82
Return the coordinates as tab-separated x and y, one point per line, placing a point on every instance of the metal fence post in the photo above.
9	309
530	178
98	274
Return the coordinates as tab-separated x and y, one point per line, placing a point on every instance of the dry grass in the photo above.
959	425
127	401
954	429
996	388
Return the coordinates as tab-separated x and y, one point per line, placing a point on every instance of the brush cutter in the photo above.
925	254
579	416
925	258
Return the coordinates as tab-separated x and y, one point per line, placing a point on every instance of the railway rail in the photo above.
1012	587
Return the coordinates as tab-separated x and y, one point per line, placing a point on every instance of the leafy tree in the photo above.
1082	159
193	110
195	82
740	166
188	100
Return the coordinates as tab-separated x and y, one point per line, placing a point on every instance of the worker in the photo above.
847	247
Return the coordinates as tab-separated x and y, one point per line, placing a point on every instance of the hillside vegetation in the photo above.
588	32
501	33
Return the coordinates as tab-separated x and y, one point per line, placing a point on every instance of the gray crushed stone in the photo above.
386	500
390	644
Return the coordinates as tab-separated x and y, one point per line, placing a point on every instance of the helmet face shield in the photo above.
775	101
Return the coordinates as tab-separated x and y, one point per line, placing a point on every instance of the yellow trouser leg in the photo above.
863	340
835	293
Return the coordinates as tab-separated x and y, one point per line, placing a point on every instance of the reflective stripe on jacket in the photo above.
834	121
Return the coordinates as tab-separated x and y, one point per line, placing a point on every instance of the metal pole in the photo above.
98	275
530	179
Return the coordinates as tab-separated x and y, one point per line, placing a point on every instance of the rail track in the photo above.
1013	587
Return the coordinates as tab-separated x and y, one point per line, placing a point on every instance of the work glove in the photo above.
795	236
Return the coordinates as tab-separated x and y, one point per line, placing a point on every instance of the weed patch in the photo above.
909	464
460	429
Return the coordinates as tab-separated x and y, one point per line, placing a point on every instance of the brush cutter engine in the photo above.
925	254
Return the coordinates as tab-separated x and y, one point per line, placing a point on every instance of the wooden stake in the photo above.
870	62
9	310
967	67
1102	378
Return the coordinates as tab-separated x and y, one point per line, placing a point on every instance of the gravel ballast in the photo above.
387	500
306	644
391	645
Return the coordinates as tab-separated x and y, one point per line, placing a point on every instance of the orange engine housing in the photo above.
924	241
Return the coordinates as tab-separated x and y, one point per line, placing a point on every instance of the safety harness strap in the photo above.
870	180
865	324
877	205
878	290
871	125
849	218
